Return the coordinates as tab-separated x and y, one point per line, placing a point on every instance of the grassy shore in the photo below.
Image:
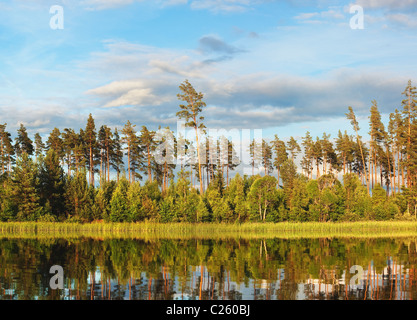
150	230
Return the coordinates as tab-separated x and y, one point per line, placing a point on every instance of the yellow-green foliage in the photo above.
148	230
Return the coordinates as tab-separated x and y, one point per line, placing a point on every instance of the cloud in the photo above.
403	19
129	93
161	71
216	6
334	13
136	97
222	5
212	44
105	4
270	101
304	16
122	60
392	4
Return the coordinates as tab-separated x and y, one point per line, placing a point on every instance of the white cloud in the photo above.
304	16
136	97
105	4
394	4
211	5
319	17
222	5
403	19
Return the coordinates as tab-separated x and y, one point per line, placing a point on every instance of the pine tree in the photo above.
23	144
378	135
182	151
289	175
211	155
6	150
164	156
148	144
281	154
232	159
69	141
293	147
39	146
131	140
266	157
344	147
255	151
307	161
116	154
106	145
52	184
8	205
56	143
79	155
26	188
410	115
79	198
328	153
317	153
190	112
351	116
91	148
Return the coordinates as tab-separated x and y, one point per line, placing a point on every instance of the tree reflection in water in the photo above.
209	269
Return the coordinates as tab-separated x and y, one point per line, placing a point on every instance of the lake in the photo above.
217	269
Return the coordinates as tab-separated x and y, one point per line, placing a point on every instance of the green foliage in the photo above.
25	187
101	207
79	198
299	201
118	203
264	198
52	184
8	207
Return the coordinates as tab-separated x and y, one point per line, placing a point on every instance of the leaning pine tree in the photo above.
351	116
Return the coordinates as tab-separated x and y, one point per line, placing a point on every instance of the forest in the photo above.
102	174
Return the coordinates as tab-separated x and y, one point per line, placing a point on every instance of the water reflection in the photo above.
295	269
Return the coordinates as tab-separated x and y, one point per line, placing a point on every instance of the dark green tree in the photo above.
52	184
26	189
23	144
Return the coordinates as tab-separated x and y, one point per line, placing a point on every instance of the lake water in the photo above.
283	269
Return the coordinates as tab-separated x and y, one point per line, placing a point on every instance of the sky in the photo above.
285	66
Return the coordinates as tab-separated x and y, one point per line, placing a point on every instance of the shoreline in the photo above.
153	230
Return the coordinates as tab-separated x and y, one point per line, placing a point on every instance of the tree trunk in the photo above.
108	162
91	166
128	161
199	159
149	164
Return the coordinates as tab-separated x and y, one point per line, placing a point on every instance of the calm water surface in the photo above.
210	269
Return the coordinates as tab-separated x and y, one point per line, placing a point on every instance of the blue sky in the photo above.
283	66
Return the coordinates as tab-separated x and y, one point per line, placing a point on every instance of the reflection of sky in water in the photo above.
260	288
